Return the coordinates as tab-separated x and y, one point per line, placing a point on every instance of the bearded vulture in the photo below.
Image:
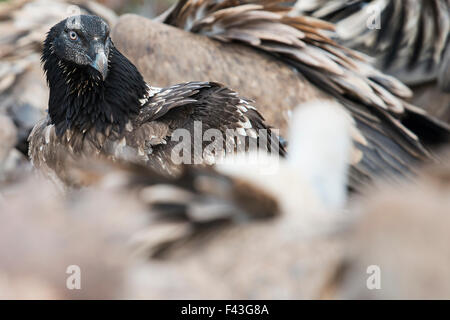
280	61
100	105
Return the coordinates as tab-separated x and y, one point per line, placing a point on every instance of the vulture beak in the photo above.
100	60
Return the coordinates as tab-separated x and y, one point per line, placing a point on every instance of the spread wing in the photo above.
201	122
411	39
392	134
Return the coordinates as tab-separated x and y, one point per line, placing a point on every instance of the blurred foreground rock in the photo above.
42	233
103	231
404	230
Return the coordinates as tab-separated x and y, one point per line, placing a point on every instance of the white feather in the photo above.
320	148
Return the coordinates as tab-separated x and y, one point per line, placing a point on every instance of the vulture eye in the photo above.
73	35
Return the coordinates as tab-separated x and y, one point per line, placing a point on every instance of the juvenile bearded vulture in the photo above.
409	39
280	61
100	106
23	27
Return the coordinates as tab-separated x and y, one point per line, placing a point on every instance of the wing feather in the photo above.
412	47
209	104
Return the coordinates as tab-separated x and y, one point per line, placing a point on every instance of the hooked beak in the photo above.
100	62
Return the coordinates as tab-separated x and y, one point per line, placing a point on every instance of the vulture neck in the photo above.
80	100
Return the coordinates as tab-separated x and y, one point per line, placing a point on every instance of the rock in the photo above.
402	240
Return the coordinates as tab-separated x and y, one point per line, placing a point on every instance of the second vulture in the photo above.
280	61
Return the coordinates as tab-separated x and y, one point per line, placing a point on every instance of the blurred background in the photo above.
147	8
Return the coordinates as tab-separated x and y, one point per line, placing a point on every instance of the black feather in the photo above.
91	102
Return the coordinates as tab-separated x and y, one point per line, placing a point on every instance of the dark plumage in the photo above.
79	98
100	105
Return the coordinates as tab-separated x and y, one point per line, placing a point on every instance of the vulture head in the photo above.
91	82
83	41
